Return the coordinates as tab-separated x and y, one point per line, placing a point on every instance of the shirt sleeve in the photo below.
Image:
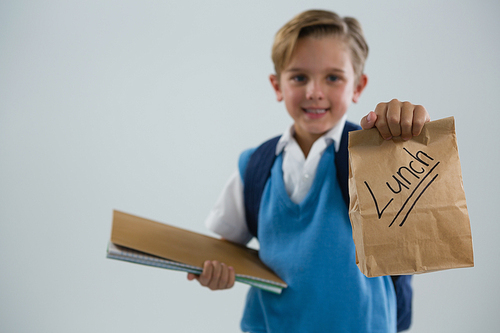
227	217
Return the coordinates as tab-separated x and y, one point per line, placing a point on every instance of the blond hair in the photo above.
317	24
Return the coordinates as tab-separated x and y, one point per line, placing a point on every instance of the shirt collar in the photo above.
335	134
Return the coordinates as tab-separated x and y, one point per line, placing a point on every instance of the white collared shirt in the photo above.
227	217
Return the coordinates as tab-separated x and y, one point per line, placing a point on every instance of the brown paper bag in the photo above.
407	202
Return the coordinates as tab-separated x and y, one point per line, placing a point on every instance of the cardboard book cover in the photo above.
187	248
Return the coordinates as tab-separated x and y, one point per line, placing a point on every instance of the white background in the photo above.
145	106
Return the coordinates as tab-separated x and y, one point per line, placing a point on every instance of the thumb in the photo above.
192	276
369	120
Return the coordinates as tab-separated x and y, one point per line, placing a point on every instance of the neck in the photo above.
305	142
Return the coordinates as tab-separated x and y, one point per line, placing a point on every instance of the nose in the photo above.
314	91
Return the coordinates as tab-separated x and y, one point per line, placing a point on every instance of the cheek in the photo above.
344	95
293	97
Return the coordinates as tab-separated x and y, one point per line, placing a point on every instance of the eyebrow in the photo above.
296	69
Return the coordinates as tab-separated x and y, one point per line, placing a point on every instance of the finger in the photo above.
191	276
214	281
224	277
394	117
206	276
369	120
407	110
420	117
232	277
381	122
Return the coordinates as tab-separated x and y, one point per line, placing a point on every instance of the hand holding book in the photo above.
215	276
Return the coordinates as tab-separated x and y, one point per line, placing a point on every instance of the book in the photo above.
142	241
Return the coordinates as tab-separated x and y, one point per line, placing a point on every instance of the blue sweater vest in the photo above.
310	246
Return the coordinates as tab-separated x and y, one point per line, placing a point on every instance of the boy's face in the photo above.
318	85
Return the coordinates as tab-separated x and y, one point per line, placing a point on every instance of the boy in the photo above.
303	226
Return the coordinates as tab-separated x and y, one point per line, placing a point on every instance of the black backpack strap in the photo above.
257	172
342	161
404	295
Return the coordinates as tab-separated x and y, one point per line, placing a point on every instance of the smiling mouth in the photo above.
315	111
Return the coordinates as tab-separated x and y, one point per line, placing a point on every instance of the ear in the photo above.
358	89
276	86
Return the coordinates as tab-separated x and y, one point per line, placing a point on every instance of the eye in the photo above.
299	78
332	78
